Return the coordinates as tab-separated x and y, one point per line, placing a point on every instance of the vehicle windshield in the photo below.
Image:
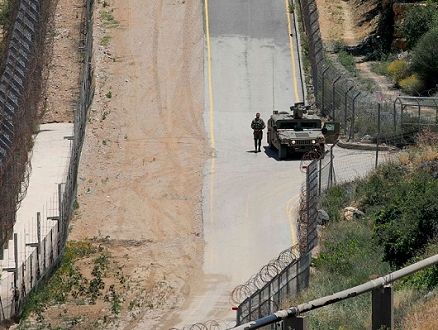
310	125
286	125
298	126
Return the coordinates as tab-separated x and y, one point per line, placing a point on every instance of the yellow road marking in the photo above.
211	112
292	223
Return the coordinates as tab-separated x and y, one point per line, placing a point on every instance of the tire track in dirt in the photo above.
142	164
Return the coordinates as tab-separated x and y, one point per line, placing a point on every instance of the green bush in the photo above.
425	58
411	85
405	225
380	67
397	70
336	197
339	45
376	190
416	22
347	60
346	251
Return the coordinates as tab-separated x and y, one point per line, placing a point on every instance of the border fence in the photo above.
21	86
289	274
44	250
342	99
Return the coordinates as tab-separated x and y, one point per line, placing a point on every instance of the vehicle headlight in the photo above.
313	141
292	142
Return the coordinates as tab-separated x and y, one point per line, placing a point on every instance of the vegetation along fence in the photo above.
290	272
382	299
36	258
343	99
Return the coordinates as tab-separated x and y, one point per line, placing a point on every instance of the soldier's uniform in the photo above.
258	125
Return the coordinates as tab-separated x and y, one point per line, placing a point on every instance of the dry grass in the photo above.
422	317
425	150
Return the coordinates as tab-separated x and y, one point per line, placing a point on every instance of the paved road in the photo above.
248	197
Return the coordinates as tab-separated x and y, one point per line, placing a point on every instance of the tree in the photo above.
417	21
425	58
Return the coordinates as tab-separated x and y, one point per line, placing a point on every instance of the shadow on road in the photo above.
272	153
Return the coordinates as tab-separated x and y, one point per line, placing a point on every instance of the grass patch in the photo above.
380	68
105	40
72	284
347	60
108	19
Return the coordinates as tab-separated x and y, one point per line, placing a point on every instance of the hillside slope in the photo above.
352	21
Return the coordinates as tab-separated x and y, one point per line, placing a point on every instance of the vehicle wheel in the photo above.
282	151
271	146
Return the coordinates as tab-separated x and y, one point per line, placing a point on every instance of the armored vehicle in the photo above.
297	131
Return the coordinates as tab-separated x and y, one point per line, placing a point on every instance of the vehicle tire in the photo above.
271	146
282	151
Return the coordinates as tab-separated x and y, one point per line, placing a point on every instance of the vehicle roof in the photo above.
289	116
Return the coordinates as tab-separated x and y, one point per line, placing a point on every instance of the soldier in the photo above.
258	125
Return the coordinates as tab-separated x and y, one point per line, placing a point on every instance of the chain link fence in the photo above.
39	250
336	95
21	85
362	113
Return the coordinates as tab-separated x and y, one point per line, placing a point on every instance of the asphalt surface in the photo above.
251	66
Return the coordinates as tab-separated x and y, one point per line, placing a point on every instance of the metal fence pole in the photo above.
351	135
333	97
345	108
378	133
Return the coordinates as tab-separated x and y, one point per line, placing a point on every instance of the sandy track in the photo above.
141	171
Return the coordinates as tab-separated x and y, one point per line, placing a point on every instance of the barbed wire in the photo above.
264	275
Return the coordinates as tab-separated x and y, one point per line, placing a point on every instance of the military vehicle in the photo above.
297	131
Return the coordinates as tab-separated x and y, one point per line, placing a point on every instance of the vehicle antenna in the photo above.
273	80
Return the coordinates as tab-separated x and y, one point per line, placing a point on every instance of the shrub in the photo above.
411	85
416	22
335	198
405	226
425	58
347	60
339	45
380	68
397	70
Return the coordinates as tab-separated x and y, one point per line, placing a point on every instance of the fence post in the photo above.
346	108
351	135
39	245
16	296
295	323
383	308
323	91
378	134
334	98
